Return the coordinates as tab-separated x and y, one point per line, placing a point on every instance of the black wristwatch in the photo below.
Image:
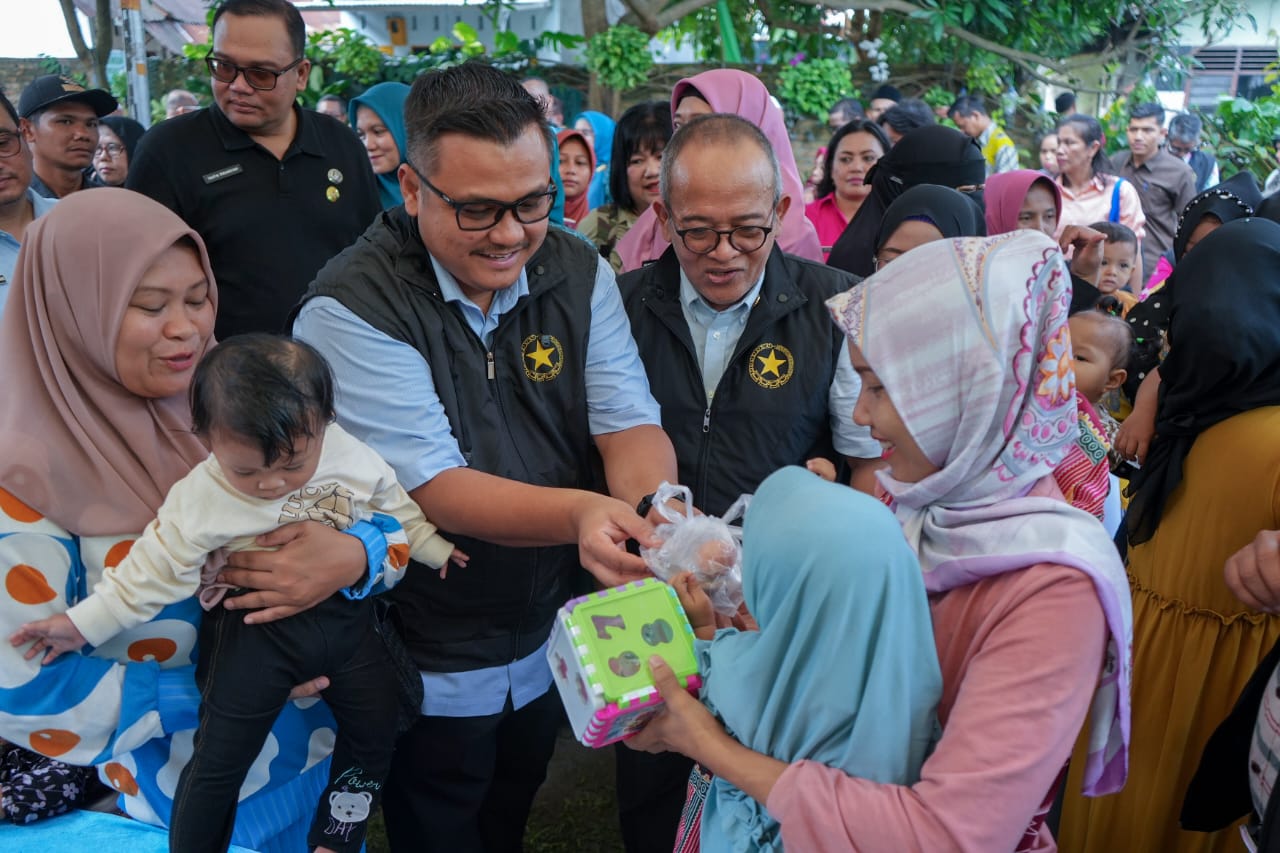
646	504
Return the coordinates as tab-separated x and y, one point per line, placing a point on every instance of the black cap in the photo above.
44	92
886	92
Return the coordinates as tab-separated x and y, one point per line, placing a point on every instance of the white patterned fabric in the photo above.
969	338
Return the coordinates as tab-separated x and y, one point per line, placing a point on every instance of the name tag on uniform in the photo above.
214	177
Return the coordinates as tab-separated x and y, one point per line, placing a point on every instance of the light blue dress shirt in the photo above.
386	397
9	245
715	336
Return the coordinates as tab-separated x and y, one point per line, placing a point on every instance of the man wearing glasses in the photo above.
19	204
60	124
274	190
749	370
488	359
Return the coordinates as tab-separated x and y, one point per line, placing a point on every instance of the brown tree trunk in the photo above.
594	22
93	59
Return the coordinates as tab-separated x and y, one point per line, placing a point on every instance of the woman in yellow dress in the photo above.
1210	482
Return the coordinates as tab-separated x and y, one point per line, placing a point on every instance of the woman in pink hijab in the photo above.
727	90
1022	199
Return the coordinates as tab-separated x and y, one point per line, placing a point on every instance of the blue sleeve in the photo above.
849	438
373	535
618	395
385	394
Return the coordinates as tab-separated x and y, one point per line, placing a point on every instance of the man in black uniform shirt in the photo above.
274	190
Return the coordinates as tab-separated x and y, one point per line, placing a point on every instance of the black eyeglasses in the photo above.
109	149
483	215
262	79
10	143
745	238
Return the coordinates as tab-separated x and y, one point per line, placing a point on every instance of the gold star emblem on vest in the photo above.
543	357
770	365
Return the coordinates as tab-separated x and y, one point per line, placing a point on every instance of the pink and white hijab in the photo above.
970	339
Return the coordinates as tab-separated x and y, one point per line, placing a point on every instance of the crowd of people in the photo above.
318	416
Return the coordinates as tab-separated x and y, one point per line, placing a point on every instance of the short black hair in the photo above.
1185	127
1115	232
338	99
472	99
1148	110
267	389
967	105
850	108
1065	103
827	185
721	128
886	92
282	9
8	107
644	127
907	115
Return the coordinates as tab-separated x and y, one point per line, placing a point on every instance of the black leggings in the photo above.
245	673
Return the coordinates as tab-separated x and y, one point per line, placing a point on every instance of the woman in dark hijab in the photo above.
923	214
1208	486
930	155
1234	198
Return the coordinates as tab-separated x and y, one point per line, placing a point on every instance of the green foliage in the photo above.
812	86
620	57
344	54
1241	133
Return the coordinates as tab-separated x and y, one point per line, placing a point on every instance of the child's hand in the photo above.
459	558
696	604
57	634
1136	433
822	467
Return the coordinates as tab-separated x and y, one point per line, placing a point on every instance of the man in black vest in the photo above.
749	370
488	359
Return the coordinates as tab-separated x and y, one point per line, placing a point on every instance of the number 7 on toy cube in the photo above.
597	651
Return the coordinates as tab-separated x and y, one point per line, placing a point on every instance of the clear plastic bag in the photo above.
709	547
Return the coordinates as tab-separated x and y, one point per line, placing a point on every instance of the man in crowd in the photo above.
274	190
1065	103
489	360
882	99
1164	183
59	120
971	116
333	106
180	101
749	371
19	204
1184	143
904	117
844	111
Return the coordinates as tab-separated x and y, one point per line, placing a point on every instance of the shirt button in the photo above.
716	335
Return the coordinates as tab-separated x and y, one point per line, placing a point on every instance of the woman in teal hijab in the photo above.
598	128
843	670
378	118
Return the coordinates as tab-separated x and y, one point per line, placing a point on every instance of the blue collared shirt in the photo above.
715	336
9	244
386	397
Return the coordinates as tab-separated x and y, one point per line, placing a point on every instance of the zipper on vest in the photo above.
488	361
706	420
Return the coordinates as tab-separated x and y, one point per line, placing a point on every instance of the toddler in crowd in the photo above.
838	643
1119	257
1100	343
264	404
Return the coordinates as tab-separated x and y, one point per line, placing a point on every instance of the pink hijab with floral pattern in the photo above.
984	381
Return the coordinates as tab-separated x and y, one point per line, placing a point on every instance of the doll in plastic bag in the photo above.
709	547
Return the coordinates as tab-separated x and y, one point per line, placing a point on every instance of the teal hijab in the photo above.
387	100
843	670
602	127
